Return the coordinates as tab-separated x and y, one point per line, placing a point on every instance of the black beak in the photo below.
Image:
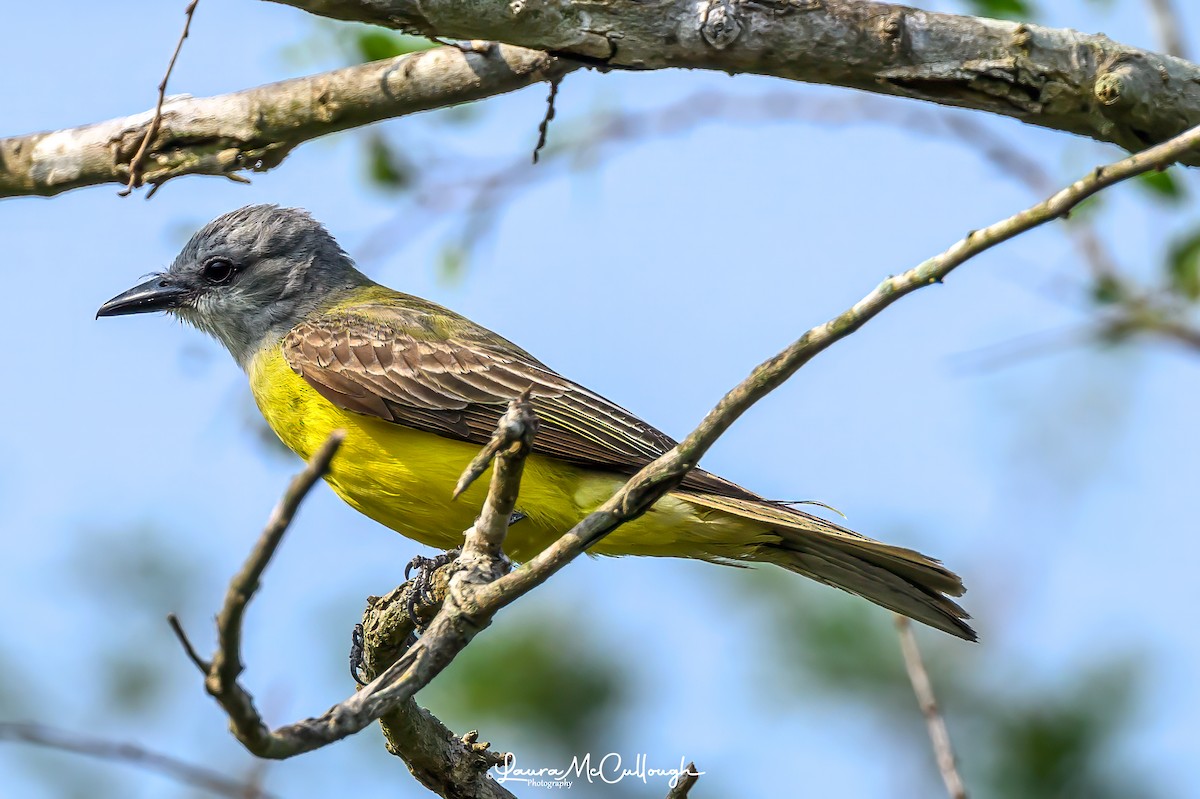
156	294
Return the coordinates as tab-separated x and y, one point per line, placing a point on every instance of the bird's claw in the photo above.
421	591
356	654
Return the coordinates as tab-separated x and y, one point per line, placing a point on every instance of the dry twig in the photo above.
221	673
135	164
509	446
544	125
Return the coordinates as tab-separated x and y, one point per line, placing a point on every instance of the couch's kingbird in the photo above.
419	389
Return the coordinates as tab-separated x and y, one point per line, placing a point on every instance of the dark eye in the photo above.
218	271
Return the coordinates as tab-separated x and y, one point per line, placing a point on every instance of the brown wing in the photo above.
421	366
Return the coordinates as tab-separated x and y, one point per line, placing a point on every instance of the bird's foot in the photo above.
422	587
356	655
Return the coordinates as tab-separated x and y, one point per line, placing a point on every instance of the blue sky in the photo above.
1060	486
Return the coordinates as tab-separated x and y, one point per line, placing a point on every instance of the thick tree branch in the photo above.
257	128
449	765
1055	78
469	607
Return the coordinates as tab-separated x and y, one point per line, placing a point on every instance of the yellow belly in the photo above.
403	479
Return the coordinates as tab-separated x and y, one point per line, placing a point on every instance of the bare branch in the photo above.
515	426
1014	162
455	767
181	771
226	665
226	662
510	444
1054	78
135	164
255	129
189	650
939	736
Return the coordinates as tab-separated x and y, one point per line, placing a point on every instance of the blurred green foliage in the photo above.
1059	741
1183	266
387	168
375	44
1162	184
1002	9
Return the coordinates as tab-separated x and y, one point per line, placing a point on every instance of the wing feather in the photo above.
393	361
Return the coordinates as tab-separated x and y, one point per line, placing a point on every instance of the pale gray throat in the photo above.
245	324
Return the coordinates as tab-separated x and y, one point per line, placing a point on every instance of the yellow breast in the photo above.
403	478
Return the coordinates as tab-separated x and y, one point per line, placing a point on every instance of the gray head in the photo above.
247	278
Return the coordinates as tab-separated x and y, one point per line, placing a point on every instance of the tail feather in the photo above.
898	579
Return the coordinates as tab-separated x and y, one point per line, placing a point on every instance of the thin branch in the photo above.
226	662
469	607
226	665
181	771
510	444
257	128
135	164
1167	27
189	650
451	766
939	736
1012	161
684	782
454	767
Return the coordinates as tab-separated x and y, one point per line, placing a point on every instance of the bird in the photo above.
418	389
